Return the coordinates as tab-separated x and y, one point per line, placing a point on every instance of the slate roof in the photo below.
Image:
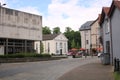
86	26
49	36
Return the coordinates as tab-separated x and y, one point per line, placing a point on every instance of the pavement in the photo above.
91	71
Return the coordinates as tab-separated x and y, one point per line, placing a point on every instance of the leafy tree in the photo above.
73	35
46	30
77	38
73	44
78	46
68	29
41	47
56	30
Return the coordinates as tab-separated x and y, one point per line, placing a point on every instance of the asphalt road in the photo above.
43	70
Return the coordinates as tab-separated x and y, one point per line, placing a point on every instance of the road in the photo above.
43	70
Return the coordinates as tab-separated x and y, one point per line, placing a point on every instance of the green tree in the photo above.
56	30
69	33
68	29
78	46
41	47
73	35
77	38
46	30
73	44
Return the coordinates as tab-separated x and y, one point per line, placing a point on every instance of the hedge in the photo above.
23	55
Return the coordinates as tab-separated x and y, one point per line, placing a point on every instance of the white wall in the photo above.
53	47
37	46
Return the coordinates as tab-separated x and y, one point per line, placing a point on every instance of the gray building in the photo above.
114	15
19	31
105	31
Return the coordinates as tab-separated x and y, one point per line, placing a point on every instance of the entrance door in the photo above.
108	47
60	51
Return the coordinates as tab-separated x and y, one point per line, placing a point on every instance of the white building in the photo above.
85	31
55	44
19	31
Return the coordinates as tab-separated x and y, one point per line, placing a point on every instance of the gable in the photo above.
61	37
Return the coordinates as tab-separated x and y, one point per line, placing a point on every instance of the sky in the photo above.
61	13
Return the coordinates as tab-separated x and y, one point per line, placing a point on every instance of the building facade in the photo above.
95	44
55	44
19	31
114	15
105	35
85	31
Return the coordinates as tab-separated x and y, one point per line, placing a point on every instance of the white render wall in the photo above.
53	47
95	35
85	35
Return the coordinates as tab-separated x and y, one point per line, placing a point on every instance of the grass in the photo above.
117	75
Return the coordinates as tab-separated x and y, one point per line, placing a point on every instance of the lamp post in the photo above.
2	4
1	10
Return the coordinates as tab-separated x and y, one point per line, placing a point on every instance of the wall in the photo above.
60	39
95	35
115	27
20	25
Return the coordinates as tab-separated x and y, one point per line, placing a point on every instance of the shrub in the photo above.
24	55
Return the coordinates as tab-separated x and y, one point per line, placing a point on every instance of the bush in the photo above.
24	55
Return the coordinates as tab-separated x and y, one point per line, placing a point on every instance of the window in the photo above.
9	11
56	47
64	47
16	13
60	45
87	42
48	47
25	20
107	46
107	26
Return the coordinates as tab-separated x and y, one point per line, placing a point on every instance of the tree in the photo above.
56	30
73	35
68	29
78	45
46	30
41	47
77	38
73	44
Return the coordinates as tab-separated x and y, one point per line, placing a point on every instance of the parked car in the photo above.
99	54
77	54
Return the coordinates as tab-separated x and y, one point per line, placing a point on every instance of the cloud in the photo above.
68	13
73	13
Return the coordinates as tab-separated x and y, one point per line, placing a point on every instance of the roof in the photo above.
105	11
49	36
113	5
86	26
99	17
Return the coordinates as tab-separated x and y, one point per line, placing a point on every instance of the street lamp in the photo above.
2	4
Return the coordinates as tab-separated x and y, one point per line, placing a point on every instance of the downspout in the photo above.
111	40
